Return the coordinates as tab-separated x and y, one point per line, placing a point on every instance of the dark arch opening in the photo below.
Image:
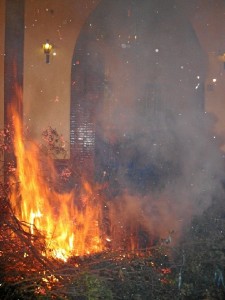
137	67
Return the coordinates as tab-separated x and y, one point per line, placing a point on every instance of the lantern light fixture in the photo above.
47	47
221	57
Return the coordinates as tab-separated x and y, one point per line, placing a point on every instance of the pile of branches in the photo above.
194	270
141	274
27	273
25	270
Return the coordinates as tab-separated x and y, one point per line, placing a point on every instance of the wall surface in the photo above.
47	86
208	19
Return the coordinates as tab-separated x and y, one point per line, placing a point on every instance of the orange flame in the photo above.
67	229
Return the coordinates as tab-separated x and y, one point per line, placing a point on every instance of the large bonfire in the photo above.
56	245
68	229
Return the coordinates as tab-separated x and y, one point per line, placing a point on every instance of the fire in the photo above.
71	223
68	230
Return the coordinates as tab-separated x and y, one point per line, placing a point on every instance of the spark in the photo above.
59	33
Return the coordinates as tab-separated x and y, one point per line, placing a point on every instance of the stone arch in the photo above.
139	60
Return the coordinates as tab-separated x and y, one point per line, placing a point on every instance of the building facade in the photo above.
137	67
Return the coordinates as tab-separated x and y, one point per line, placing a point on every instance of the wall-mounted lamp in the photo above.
222	58
47	47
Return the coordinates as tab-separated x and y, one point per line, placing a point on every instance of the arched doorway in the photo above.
137	67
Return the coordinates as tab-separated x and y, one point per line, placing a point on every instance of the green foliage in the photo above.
92	287
96	288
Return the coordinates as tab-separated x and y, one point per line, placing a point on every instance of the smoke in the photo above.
154	144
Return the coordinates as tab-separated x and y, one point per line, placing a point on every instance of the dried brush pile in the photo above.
27	273
194	270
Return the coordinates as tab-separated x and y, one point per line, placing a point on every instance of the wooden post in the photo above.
13	69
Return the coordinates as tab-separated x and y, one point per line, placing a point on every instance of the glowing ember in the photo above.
68	230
